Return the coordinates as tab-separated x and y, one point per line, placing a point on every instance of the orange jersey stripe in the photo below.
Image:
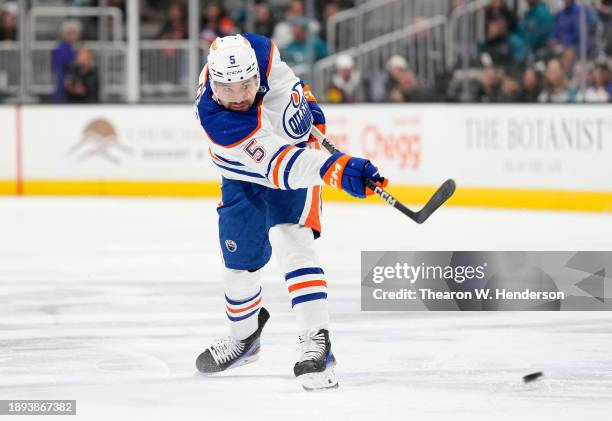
278	163
239	310
270	60
312	220
212	155
307	284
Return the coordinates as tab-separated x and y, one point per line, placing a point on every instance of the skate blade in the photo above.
244	361
315	382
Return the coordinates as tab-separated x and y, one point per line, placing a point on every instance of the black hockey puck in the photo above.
533	376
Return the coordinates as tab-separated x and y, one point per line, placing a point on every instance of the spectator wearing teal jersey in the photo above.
296	51
536	25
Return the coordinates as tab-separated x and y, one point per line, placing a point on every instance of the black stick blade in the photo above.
444	192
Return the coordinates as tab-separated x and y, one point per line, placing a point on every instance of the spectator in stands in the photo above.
296	51
531	85
604	10
608	78
597	90
8	23
556	87
62	56
510	89
579	76
264	20
152	12
215	23
463	86
536	25
346	81
175	27
381	86
498	9
283	34
567	25
489	85
568	60
503	48
82	82
330	8
407	88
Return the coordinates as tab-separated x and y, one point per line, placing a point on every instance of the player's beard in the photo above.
240	106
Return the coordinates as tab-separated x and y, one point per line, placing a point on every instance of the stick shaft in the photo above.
443	193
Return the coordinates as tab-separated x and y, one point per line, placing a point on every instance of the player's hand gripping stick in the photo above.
350	174
444	192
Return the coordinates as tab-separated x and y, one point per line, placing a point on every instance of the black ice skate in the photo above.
315	369
229	352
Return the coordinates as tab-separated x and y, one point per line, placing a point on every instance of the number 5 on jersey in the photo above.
254	150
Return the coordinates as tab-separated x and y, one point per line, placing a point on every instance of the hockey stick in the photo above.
444	192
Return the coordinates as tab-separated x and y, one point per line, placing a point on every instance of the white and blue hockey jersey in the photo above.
266	144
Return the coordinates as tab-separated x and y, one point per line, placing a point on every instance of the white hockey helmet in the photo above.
232	59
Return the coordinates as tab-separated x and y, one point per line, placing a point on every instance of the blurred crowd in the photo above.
288	26
74	69
536	56
533	56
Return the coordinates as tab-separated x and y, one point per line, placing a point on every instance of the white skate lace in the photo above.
225	349
312	345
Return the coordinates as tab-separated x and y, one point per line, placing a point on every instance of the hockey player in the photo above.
257	116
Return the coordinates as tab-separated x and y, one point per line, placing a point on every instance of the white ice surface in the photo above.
109	301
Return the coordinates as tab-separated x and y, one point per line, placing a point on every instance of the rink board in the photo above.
548	157
114	143
8	153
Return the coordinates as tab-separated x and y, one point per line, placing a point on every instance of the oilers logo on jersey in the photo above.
297	117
